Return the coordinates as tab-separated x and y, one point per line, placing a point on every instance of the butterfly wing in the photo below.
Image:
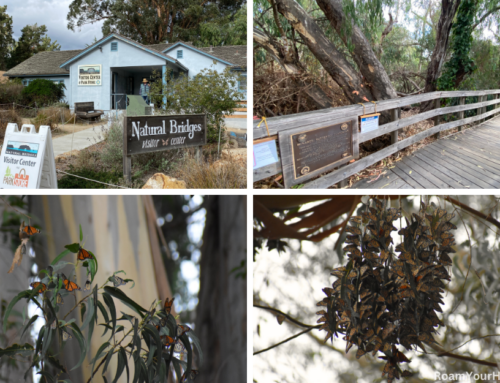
83	254
70	286
34	285
60	300
168	305
118	281
30	230
167	340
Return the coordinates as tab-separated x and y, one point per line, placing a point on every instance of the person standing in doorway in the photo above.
145	90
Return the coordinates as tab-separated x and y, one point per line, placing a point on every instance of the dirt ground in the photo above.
69	128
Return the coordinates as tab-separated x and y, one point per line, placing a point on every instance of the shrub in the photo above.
53	116
209	92
222	174
70	182
11	92
6	117
43	92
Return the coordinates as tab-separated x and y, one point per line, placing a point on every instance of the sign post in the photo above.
27	158
146	134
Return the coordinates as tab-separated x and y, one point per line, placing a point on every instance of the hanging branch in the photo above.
473	211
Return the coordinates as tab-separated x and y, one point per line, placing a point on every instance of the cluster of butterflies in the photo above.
168	340
381	300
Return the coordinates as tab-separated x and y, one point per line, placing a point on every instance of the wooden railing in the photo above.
324	117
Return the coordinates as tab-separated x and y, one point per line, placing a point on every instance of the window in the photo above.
25	82
114	47
179	54
242	84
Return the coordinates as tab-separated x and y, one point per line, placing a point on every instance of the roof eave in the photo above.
199	51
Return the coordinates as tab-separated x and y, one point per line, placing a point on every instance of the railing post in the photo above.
461	113
395	116
437	118
343	183
479	110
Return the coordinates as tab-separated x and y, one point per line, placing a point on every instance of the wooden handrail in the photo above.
320	118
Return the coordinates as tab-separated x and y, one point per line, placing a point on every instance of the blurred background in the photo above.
192	248
298	240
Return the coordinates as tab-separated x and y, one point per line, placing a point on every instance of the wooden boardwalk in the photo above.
465	160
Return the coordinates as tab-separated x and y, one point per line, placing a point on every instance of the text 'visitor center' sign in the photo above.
155	133
89	75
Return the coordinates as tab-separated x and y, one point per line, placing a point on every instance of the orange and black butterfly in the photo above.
181	330
34	285
29	230
68	285
83	254
168	305
167	340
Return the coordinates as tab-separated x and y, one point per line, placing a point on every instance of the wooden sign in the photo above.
308	153
145	134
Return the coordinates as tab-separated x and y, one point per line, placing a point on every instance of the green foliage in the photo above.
231	30
460	64
154	340
210	92
43	92
32	41
70	182
146	22
6	39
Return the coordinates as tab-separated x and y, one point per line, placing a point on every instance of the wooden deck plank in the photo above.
416	165
482	135
380	183
452	178
455	166
476	149
472	159
407	178
421	179
483	174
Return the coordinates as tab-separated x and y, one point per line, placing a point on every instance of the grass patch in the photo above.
6	117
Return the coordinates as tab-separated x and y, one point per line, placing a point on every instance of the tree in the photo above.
157	21
221	316
6	39
288	284
32	41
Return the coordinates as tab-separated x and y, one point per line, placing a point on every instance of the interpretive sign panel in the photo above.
308	153
89	75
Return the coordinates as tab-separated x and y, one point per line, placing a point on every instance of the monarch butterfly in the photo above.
117	281
68	285
167	340
182	330
168	305
59	299
163	322
83	254
34	285
66	335
165	142
30	230
53	325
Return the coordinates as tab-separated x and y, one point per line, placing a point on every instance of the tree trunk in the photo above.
372	70
221	317
293	67
448	10
325	51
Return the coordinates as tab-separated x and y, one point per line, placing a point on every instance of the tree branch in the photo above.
292	320
473	211
493	10
287	340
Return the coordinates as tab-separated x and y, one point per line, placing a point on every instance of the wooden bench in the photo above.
86	110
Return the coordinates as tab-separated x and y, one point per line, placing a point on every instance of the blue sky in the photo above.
52	14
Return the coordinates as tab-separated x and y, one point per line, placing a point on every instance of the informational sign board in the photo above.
264	153
145	134
27	159
306	153
369	122
90	75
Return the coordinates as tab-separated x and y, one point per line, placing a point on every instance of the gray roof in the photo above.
47	63
43	63
235	54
